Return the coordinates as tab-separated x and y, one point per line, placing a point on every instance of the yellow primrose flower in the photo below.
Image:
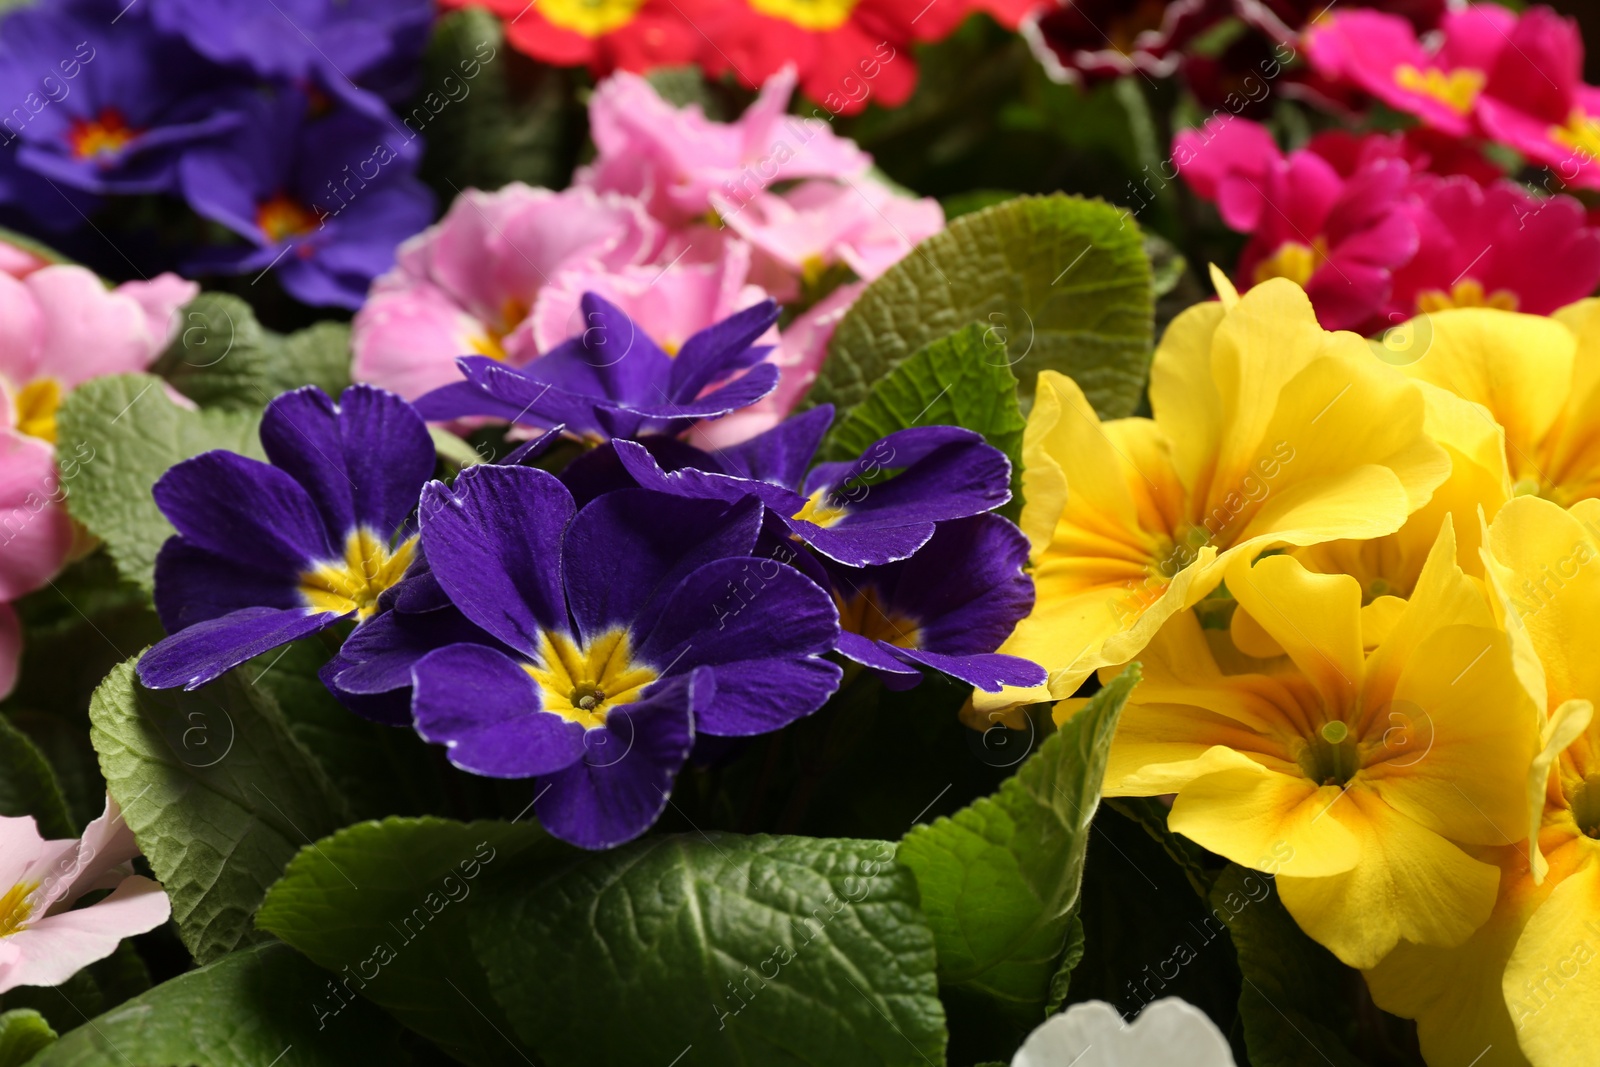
1526	987
1267	430
1537	377
1353	775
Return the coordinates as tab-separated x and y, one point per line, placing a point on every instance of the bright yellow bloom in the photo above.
1267	431
1537	377
1527	985
1354	775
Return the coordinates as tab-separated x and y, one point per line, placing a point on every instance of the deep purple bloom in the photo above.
268	553
612	381
618	654
324	199
948	607
344	46
847	511
106	104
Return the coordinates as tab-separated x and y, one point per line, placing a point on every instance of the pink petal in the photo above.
54	948
407	340
20	844
105	849
1227	162
88	331
35	533
21	333
160	299
18	262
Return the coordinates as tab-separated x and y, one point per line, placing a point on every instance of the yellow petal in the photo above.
1378	620
1258	817
1410	884
1552	981
1455	740
1226	293
1565	725
1455	994
1314	618
1518	366
1182	390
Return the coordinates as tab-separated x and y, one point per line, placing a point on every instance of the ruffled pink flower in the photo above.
861	224
1383	55
675	158
468	283
799	356
1495	246
35	533
670	302
43	939
1339	238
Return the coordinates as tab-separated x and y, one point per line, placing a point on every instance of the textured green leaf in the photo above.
960	380
999	879
28	785
401	939
117	435
23	1033
747	950
1071	956
1297	997
222	357
1063	281
251	1007
217	792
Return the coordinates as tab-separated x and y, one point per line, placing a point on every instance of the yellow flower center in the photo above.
590	18
1457	89
1468	293
808	14
818	509
864	614
1581	134
282	217
105	135
16	907
1330	756
36	406
1294	261
356	582
582	684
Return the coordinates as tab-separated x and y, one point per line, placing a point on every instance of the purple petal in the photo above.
987	671
524	454
493	541
763	629
362	462
208	650
863	547
244	509
485	709
194	585
624	780
600	470
703	485
720	349
781	454
945	472
611	360
460	400
743	391
379	655
628	549
876	655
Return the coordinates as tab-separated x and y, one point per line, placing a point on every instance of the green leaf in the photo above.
117	435
250	1007
999	879
488	115
960	380
217	792
1071	956
768	950
1296	996
401	939
23	1033
1063	281
378	769
28	785
222	357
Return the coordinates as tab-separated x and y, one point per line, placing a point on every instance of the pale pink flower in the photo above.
799	356
467	284
862	224
670	303
35	533
43	940
675	158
